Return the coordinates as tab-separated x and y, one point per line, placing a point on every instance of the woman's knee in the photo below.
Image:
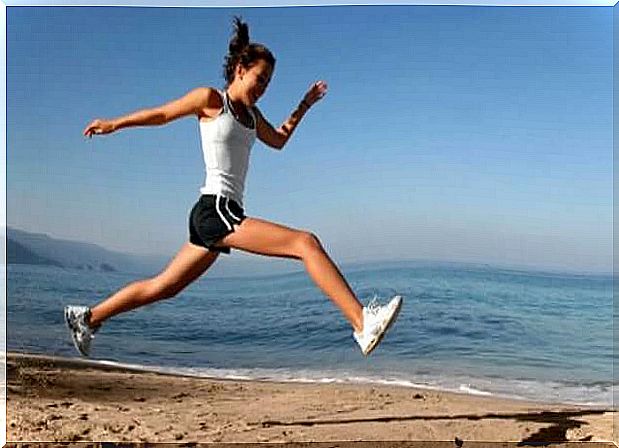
307	242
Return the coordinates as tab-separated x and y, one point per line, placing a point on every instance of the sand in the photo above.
66	400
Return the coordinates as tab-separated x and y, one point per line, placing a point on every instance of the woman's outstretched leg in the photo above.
190	262
266	238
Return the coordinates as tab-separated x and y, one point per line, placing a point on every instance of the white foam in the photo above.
598	395
466	388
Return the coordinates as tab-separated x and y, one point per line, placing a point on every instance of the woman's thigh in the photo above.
190	262
266	238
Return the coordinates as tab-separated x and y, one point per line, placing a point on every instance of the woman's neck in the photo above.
235	98
238	109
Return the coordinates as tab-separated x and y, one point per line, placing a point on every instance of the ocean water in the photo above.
471	329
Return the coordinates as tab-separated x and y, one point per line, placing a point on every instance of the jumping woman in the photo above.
229	122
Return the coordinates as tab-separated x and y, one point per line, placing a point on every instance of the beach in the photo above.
68	399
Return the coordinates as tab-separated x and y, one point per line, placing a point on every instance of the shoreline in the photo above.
67	399
34	359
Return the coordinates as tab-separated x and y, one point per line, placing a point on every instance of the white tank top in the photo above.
226	144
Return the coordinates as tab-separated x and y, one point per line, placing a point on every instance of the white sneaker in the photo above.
81	333
376	321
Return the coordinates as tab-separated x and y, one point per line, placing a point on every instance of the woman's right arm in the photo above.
192	103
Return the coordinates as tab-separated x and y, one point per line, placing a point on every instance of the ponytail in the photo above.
242	51
240	39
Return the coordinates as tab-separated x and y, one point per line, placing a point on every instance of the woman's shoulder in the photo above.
211	102
210	96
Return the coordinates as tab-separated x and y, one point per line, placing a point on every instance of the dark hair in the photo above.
242	51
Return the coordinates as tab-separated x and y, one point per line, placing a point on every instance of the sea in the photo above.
473	329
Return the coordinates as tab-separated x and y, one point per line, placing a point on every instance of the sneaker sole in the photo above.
72	330
380	337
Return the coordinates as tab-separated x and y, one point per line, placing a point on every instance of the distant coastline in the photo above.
41	249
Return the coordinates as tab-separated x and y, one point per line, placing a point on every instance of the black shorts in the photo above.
212	218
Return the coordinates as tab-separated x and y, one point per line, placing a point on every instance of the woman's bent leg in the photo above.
189	263
266	238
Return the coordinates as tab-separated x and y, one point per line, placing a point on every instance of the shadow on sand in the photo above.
560	422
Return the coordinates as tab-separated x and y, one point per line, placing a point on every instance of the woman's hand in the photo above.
315	93
99	127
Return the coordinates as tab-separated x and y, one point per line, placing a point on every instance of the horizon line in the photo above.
509	265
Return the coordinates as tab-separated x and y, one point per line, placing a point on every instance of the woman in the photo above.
229	122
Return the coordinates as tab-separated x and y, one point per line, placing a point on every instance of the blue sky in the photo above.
450	133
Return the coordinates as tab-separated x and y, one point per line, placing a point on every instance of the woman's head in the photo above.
247	58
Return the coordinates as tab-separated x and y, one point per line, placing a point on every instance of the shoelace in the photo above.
374	306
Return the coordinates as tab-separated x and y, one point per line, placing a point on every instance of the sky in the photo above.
478	134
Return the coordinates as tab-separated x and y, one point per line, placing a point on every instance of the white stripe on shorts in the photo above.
221	215
230	213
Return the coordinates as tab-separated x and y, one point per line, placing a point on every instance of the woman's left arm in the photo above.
277	138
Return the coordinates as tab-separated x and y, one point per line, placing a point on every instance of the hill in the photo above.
37	248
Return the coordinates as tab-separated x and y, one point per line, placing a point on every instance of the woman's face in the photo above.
253	81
